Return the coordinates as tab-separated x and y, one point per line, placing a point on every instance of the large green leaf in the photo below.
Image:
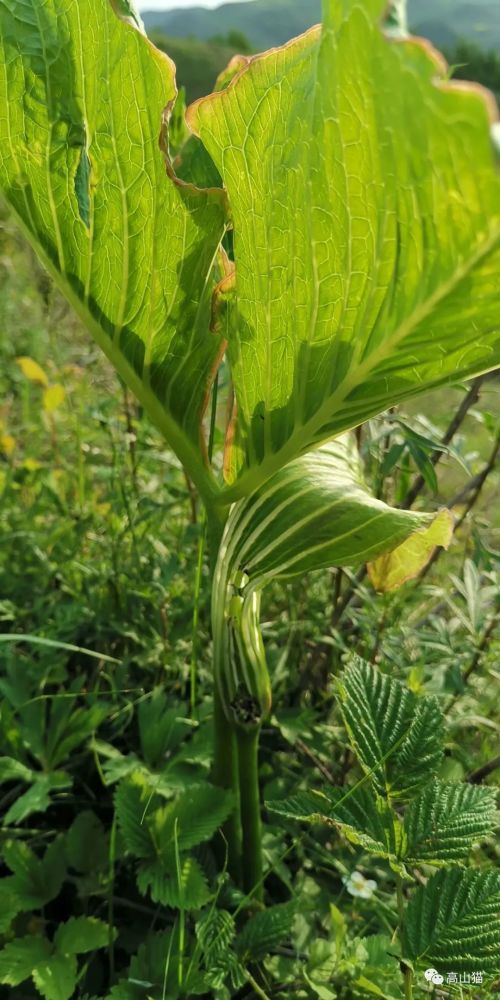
366	212
83	97
396	736
316	512
454	921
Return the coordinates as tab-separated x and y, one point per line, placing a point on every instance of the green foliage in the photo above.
264	931
451	920
396	736
160	835
108	809
85	230
361	319
454	921
273	22
34	881
52	965
444	822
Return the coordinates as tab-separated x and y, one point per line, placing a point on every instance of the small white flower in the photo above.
357	885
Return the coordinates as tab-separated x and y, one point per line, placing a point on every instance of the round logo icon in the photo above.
433	976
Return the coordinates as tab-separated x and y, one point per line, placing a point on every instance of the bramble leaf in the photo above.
454	921
132	806
446	819
362	816
265	930
86	843
38	797
192	818
366	210
396	736
35	881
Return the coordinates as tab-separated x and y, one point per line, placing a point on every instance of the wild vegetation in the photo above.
135	860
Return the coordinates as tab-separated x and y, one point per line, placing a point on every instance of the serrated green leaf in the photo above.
161	729
55	979
454	921
265	931
396	736
363	817
38	797
445	820
153	972
36	881
10	905
81	167
191	819
215	932
131	804
187	890
19	957
81	934
366	209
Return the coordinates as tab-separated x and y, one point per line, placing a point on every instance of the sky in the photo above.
180	4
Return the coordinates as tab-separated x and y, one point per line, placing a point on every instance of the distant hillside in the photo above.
273	22
264	22
198	63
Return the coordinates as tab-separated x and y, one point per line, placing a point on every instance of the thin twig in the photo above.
455	423
477	776
478	656
322	768
479	481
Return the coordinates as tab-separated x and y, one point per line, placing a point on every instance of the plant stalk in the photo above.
248	765
407	972
225	775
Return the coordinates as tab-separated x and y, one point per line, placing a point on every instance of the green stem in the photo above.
225	774
225	765
196	611
408	974
251	824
